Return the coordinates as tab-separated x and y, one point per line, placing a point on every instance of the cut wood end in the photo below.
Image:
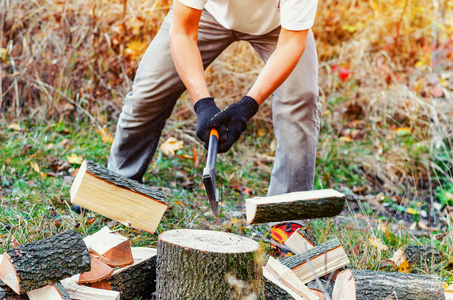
49	292
250	210
99	271
211	241
78	180
8	273
344	288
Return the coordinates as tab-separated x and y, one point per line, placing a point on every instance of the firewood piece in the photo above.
76	291
110	247
6	293
294	206
275	290
136	280
363	285
421	254
99	271
37	264
49	292
284	275
324	258
327	284
114	196
203	264
299	242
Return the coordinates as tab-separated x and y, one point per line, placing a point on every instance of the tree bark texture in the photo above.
380	285
205	265
274	292
64	294
120	181
136	281
296	209
49	260
298	259
422	254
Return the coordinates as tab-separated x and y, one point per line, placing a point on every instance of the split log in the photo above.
202	264
136	280
283	274
99	271
44	262
76	291
422	254
294	206
275	290
328	286
49	292
299	242
110	247
324	259
364	285
114	196
6	293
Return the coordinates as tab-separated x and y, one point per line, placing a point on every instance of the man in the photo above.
196	32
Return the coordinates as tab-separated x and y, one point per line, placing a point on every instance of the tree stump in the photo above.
47	261
364	285
204	265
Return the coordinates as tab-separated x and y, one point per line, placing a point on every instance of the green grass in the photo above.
37	205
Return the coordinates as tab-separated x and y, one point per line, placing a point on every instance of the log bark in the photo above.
364	285
202	264
116	197
294	206
324	258
275	292
137	280
44	262
422	254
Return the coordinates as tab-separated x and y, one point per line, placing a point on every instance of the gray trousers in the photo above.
157	86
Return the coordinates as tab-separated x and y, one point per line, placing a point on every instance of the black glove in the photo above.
206	109
235	117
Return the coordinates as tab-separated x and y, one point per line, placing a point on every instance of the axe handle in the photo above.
212	149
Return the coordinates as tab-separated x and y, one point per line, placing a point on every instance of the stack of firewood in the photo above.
318	272
101	266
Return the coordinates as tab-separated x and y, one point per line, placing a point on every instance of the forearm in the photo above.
281	63
188	63
185	52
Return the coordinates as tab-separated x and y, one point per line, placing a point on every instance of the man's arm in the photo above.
185	52
290	47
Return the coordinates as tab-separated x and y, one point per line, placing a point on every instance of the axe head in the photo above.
209	173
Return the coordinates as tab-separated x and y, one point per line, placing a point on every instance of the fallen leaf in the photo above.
385	230
3	54
346	139
412	211
171	145
106	137
376	242
14	126
403	131
74	159
35	167
398	257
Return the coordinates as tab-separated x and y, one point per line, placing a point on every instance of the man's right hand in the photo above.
206	109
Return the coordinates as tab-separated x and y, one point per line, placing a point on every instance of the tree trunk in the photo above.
202	264
294	206
44	262
365	285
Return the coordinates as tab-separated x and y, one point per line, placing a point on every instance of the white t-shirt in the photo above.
258	17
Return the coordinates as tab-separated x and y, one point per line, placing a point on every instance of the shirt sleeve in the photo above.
197	4
298	14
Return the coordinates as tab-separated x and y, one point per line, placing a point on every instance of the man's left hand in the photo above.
235	117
